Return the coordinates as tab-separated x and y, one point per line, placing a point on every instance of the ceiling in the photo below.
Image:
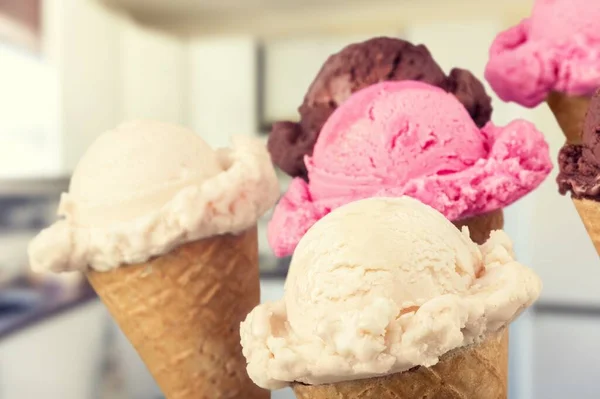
280	16
187	8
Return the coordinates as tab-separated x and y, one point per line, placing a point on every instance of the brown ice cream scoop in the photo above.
580	171
580	163
355	67
591	132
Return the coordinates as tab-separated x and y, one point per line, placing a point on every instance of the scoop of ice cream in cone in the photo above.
410	138
354	68
551	56
146	187
580	172
380	286
165	229
553	50
580	164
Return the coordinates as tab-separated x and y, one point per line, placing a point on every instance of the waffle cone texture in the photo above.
474	372
589	212
569	112
182	311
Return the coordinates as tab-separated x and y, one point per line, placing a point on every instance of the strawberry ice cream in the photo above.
410	138
556	49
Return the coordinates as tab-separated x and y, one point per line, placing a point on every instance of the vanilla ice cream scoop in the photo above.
146	187
379	286
355	260
136	169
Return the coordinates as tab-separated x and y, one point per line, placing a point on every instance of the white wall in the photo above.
107	68
85	49
58	359
153	74
29	134
567	365
222	88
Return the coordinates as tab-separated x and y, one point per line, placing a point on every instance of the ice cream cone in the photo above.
570	114
589	212
475	372
182	311
480	226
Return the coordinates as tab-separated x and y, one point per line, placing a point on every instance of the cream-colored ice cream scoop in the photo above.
379	286
400	253
134	170
146	187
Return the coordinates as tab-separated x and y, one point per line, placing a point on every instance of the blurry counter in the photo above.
23	305
50	341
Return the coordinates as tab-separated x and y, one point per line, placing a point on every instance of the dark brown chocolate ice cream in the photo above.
580	164
356	67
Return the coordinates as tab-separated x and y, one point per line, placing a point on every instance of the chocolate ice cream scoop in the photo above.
580	164
356	67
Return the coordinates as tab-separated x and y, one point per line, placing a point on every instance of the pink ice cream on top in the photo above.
556	49
378	142
410	138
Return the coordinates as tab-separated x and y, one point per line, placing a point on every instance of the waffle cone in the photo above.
182	311
569	112
474	372
481	226
589	212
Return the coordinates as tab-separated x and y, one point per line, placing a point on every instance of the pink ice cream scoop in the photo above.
556	49
410	138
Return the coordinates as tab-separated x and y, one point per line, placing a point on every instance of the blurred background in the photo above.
71	69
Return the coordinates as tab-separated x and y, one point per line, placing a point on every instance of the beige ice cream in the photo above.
165	230
379	286
146	187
